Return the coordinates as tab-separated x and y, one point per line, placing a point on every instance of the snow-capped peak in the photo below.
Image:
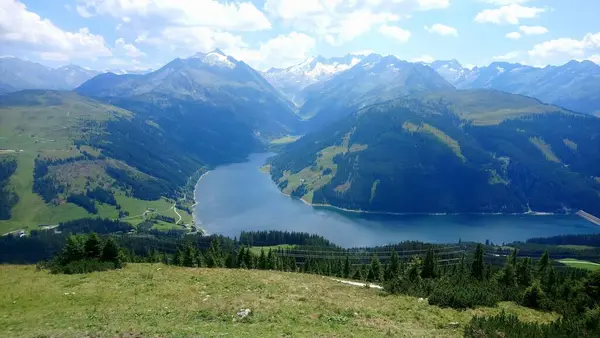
215	58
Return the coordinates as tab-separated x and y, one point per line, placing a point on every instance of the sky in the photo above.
144	34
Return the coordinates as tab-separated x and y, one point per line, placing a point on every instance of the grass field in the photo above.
257	249
145	300
286	139
576	247
575	263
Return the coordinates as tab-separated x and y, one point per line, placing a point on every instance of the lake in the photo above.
240	197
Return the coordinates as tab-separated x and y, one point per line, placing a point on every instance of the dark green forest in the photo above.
8	198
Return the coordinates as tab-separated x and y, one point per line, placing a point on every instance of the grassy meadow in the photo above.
155	300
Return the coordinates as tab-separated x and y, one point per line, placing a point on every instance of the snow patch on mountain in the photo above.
293	79
215	58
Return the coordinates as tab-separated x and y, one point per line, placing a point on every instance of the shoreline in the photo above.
387	213
195	202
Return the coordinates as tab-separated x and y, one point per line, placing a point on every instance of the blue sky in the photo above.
139	34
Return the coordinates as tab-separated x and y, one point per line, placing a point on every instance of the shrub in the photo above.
456	295
534	297
509	326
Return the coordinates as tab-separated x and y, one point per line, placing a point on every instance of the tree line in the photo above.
8	198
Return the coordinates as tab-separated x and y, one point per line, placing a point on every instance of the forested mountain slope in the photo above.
68	146
452	151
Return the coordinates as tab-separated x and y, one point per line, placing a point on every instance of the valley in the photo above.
404	141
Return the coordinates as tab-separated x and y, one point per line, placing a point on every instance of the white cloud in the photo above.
242	16
507	57
442	30
128	49
364	52
395	32
510	14
280	52
564	49
433	4
595	58
23	30
514	35
192	39
533	30
340	21
423	58
506	2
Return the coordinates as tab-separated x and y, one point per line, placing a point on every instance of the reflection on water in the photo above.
240	197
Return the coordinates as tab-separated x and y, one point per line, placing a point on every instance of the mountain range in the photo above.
292	80
380	134
17	74
204	81
573	85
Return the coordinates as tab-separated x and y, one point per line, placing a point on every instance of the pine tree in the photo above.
477	268
200	261
248	259
214	258
262	260
394	266
508	276
357	275
240	257
74	249
178	258
112	253
429	268
543	264
513	257
346	271
189	255
375	272
93	246
524	272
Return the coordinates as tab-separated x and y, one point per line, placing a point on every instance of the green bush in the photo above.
509	326
451	293
534	297
82	266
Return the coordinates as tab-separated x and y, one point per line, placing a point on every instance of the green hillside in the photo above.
455	151
74	157
156	300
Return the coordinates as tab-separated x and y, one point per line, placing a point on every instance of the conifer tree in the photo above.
357	275
477	268
93	246
429	265
189	255
346	271
262	260
375	272
394	266
178	257
200	261
543	264
240	257
74	249
112	253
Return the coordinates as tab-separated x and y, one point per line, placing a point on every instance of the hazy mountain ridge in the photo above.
17	74
573	85
374	79
212	79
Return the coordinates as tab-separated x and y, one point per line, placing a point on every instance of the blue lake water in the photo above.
240	197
